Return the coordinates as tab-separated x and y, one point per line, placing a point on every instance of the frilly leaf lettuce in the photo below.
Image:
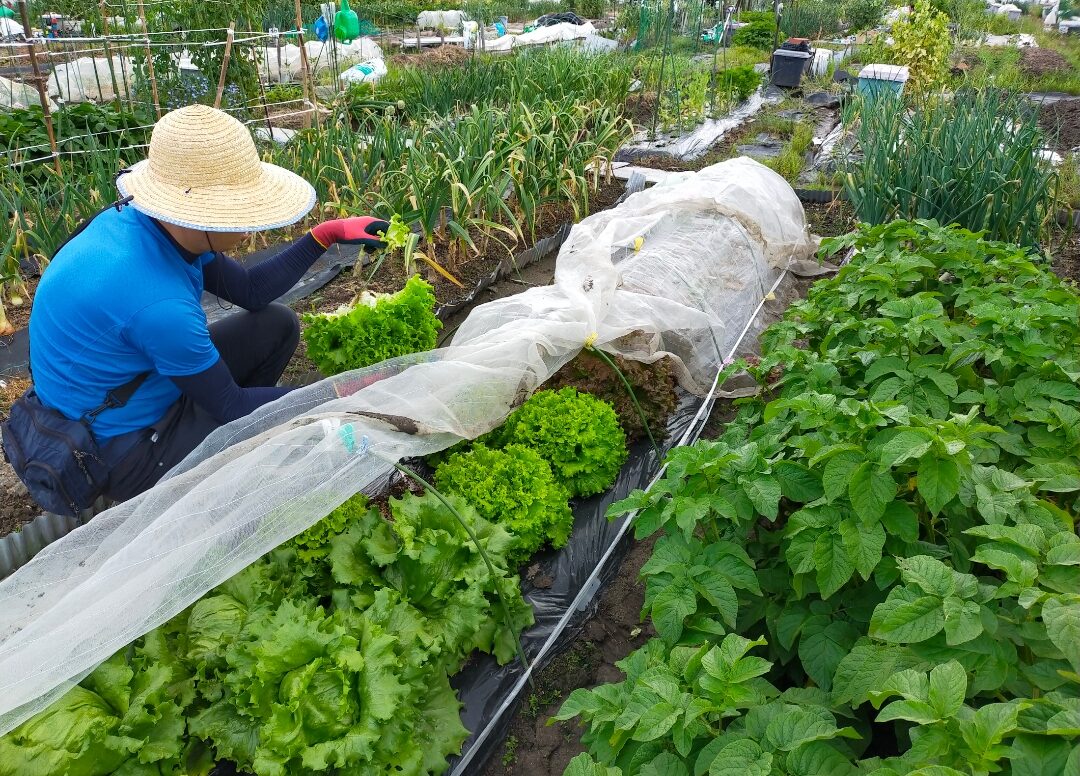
293	697
262	673
515	488
76	736
429	559
361	335
314	543
577	434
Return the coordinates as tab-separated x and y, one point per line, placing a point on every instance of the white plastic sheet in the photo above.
285	64
441	20
551	34
675	270
364	72
9	28
15	94
91	79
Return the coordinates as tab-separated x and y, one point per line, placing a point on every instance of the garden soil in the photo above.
16	506
1066	257
437	56
830	218
1062	119
19	316
534	748
1041	61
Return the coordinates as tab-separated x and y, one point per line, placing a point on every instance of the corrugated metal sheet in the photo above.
16	549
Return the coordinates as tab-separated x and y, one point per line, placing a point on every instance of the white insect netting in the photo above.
675	270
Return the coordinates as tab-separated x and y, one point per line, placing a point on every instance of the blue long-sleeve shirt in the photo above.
122	298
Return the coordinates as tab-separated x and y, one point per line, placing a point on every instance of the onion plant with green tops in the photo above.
975	159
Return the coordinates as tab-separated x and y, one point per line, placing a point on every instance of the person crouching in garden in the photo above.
128	376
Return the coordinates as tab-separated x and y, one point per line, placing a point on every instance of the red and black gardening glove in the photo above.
365	231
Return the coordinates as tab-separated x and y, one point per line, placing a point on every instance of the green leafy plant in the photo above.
304	691
792	158
127	716
896	510
739	82
706	709
921	42
757	34
577	434
307	662
283	93
314	543
428	558
513	487
974	160
653	385
863	14
373	329
814	19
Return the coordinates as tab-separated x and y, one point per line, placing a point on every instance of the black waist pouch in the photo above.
57	458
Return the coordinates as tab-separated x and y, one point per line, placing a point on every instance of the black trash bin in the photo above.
788	67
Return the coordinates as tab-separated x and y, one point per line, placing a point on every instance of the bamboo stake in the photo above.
43	93
149	61
309	87
225	64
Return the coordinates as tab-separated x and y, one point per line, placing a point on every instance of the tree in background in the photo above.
921	41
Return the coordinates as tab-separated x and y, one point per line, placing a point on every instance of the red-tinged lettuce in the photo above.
375	328
577	434
426	555
515	488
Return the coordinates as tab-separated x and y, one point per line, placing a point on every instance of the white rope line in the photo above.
133	6
13	165
123	40
305	112
59	141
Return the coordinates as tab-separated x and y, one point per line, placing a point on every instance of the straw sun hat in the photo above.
203	172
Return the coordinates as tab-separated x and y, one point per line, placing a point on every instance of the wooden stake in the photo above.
225	65
149	61
43	93
309	87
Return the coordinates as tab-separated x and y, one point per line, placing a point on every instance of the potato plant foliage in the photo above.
875	569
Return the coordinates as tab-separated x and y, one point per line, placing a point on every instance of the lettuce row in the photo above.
577	434
264	672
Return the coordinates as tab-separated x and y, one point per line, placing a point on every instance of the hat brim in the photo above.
275	199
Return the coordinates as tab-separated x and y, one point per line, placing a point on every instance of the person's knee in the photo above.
283	323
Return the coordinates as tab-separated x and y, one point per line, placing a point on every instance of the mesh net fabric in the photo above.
675	270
